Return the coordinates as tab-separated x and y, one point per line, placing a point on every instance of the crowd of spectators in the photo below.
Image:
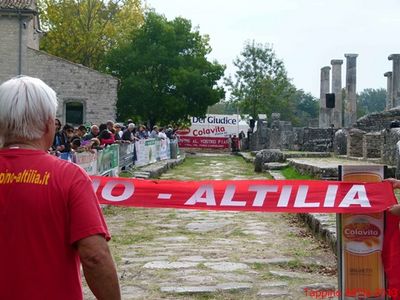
68	138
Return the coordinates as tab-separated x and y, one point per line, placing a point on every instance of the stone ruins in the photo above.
375	136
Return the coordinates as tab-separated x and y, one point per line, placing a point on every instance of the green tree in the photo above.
306	108
165	75
260	84
371	100
223	108
83	31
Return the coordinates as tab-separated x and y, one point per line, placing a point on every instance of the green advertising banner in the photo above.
108	160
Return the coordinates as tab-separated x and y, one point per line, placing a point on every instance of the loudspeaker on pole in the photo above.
330	100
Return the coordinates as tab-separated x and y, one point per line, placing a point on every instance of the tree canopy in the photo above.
83	31
306	108
260	84
371	100
164	72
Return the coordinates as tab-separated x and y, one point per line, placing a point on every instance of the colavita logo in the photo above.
183	131
205	131
361	231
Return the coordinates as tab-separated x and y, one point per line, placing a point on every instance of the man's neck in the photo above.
33	145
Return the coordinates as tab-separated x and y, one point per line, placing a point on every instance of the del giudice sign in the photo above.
212	131
216	119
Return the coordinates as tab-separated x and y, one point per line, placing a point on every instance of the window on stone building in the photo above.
74	113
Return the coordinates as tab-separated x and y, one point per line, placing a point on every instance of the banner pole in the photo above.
339	245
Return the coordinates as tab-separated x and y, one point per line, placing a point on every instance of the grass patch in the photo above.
292	173
202	266
111	210
298	266
131	223
125	174
131	239
237	232
397	194
259	267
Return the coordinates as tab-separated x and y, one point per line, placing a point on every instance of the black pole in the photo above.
20	44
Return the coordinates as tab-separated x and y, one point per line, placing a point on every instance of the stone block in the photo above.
355	142
267	156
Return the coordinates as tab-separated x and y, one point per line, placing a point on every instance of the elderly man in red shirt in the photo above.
50	219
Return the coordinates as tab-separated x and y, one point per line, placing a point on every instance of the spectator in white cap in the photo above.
129	133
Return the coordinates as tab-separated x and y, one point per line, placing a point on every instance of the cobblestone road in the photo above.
184	254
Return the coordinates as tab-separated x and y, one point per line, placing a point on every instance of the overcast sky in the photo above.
305	34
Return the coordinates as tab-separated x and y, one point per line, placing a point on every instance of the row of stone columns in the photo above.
333	117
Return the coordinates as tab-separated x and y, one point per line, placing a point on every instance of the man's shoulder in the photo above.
61	164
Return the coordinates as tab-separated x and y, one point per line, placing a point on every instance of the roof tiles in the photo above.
18	4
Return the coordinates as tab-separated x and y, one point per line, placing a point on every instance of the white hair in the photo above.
26	105
131	125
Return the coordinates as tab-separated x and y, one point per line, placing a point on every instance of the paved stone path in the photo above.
189	254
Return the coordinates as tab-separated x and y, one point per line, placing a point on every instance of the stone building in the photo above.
85	95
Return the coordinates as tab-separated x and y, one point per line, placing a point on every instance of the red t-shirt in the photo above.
46	205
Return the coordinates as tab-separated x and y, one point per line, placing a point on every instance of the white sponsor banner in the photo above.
87	160
146	152
165	152
214	126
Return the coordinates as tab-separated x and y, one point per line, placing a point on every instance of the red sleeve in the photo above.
86	218
391	254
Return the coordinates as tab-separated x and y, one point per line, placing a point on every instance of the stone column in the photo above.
324	117
350	113
395	79
337	90
389	91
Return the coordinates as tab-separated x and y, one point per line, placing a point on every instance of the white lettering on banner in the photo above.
227	199
203	131
110	185
301	198
330	196
223	120
198	120
96	183
261	193
215	120
285	196
209	199
357	195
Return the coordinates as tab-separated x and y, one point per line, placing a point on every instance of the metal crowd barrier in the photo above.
114	158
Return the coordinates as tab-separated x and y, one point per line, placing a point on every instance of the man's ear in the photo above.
49	126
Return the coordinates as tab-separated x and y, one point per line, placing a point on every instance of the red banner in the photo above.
294	196
203	142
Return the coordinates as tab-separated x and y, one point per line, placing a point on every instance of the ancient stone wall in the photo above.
373	142
390	152
340	142
76	83
282	135
372	145
316	139
378	121
355	143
